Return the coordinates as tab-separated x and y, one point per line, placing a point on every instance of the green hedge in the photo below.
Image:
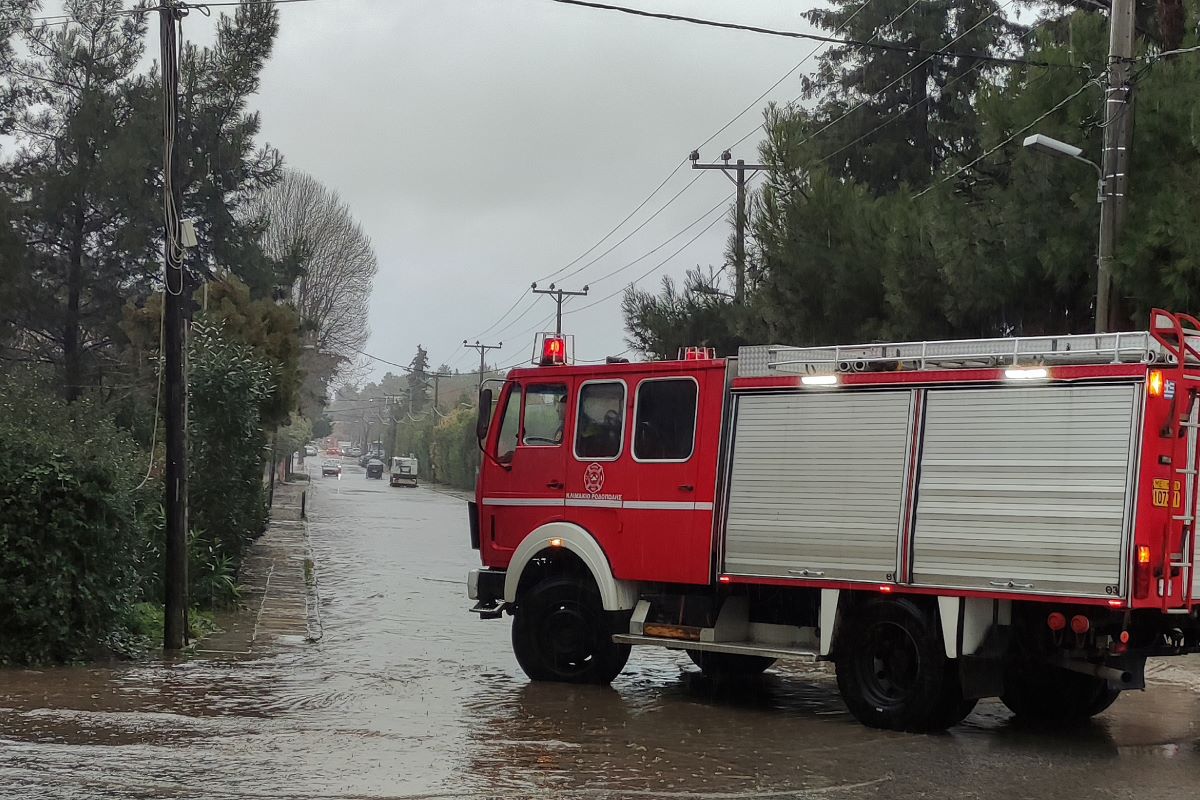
445	447
71	525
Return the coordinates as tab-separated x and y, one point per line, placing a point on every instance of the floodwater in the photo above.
408	695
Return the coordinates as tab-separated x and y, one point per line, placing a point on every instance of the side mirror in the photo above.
485	415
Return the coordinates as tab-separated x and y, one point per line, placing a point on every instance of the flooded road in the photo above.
408	695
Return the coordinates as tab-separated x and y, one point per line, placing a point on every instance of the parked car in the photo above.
331	468
375	468
356	452
310	450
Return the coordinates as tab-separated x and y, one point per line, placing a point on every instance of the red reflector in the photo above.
1080	624
886	589
1116	603
1124	637
1057	621
724	579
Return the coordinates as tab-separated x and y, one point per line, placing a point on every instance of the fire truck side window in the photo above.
506	445
545	414
600	420
666	420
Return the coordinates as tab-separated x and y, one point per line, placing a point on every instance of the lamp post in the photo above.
1107	244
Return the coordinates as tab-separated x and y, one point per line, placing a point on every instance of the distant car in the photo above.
375	468
310	450
355	453
331	468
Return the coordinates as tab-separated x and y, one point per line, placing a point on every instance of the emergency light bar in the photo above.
552	350
696	354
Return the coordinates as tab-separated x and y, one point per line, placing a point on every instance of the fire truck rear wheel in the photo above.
1052	694
893	672
729	665
561	633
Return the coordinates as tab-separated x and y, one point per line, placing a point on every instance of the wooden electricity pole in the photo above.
736	172
176	310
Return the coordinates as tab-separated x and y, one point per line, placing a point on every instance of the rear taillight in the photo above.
1142	573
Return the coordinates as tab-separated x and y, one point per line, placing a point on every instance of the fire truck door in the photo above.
526	489
668	507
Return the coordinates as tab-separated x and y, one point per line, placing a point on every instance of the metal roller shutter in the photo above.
1027	486
817	484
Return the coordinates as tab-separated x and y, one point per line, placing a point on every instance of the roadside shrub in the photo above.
227	384
455	451
70	529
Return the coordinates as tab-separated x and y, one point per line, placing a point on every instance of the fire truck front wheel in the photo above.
562	633
892	669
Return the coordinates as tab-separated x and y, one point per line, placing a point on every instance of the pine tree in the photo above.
418	380
894	116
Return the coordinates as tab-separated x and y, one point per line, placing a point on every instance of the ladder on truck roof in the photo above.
1177	333
1132	347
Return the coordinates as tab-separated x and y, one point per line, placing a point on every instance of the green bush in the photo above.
72	528
227	501
455	451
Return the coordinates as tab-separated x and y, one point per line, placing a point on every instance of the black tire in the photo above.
729	665
1044	693
561	633
893	672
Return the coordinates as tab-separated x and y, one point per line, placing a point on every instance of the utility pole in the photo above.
482	348
739	169
390	401
437	376
558	295
1114	163
177	299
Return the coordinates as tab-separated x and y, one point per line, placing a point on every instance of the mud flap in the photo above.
982	672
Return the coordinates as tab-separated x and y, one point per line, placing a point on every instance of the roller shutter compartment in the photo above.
1025	489
817	484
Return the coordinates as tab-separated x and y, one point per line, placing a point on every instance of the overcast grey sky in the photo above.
483	144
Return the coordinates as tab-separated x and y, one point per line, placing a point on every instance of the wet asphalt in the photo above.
408	695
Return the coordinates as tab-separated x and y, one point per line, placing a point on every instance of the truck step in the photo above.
489	610
737	648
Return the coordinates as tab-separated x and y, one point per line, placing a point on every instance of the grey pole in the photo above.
1115	159
738	176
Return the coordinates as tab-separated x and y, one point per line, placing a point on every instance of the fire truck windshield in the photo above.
545	414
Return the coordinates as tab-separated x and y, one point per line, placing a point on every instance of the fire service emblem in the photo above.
593	478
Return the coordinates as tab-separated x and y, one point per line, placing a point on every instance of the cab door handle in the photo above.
686	487
556	484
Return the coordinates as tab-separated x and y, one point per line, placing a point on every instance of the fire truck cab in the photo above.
945	521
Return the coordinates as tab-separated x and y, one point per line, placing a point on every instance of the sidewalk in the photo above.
278	584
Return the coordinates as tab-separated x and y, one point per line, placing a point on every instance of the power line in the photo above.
1007	140
754	103
880	92
630	235
865	45
616	227
648	272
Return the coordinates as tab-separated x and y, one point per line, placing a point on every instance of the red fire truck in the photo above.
944	520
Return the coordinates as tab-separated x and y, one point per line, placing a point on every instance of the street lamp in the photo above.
1104	251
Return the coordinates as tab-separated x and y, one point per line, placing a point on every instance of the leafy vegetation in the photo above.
71	532
918	214
81	320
